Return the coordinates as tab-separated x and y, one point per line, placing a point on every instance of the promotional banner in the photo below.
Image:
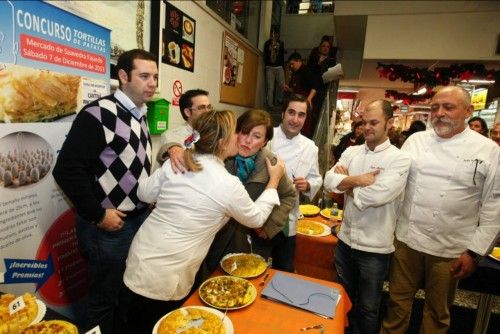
51	64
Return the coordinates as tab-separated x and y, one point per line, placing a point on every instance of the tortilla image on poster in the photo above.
25	159
187	55
33	95
188	29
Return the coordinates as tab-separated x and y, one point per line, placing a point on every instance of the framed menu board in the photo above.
178	38
238	72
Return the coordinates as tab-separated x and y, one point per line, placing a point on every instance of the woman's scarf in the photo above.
245	167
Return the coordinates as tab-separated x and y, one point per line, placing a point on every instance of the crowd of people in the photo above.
304	79
151	237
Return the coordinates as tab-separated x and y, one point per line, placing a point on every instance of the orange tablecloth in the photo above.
314	255
266	316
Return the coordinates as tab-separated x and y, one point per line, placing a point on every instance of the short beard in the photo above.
447	129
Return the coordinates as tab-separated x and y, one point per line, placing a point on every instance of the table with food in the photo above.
316	241
243	306
26	314
485	281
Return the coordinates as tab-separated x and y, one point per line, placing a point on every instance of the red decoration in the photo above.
383	73
466	75
440	76
408	98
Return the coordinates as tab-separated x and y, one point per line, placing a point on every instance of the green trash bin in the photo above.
158	115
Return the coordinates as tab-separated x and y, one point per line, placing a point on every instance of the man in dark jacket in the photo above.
303	82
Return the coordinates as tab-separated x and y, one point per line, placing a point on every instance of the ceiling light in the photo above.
421	91
348	90
479	81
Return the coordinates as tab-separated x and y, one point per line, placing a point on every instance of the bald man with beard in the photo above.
450	216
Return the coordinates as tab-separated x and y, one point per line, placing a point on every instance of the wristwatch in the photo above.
475	256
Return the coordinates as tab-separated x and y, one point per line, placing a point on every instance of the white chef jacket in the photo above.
300	155
370	215
452	198
176	135
190	209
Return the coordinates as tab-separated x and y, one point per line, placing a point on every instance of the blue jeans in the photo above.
362	275
105	253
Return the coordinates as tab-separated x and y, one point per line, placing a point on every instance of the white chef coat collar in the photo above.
386	144
282	133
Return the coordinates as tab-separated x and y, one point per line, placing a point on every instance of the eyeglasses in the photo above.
203	107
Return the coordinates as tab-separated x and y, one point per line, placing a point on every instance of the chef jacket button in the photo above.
442	194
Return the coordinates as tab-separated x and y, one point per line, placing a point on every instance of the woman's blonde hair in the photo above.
215	129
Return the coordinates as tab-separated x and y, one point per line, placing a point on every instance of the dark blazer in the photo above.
257	183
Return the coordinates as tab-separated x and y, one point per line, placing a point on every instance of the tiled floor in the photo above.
463	312
463	298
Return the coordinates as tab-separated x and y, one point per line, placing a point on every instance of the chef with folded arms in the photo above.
372	177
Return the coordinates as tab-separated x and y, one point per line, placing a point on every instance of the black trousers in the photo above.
143	313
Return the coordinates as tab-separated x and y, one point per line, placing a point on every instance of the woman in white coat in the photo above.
190	208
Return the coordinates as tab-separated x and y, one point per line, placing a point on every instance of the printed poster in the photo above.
51	64
178	38
233	60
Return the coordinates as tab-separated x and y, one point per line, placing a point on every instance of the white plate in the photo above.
41	312
326	229
228	324
228	270
252	290
325	213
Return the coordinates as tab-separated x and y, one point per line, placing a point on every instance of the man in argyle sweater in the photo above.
107	151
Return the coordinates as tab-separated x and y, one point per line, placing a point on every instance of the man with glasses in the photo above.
450	215
192	104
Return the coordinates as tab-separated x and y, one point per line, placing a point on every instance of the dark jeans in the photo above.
362	275
106	253
284	254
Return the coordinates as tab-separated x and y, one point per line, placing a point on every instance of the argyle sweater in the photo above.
107	151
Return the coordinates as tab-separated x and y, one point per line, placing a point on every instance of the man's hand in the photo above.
261	233
350	182
365	180
176	154
463	267
286	88
112	220
339	169
301	184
